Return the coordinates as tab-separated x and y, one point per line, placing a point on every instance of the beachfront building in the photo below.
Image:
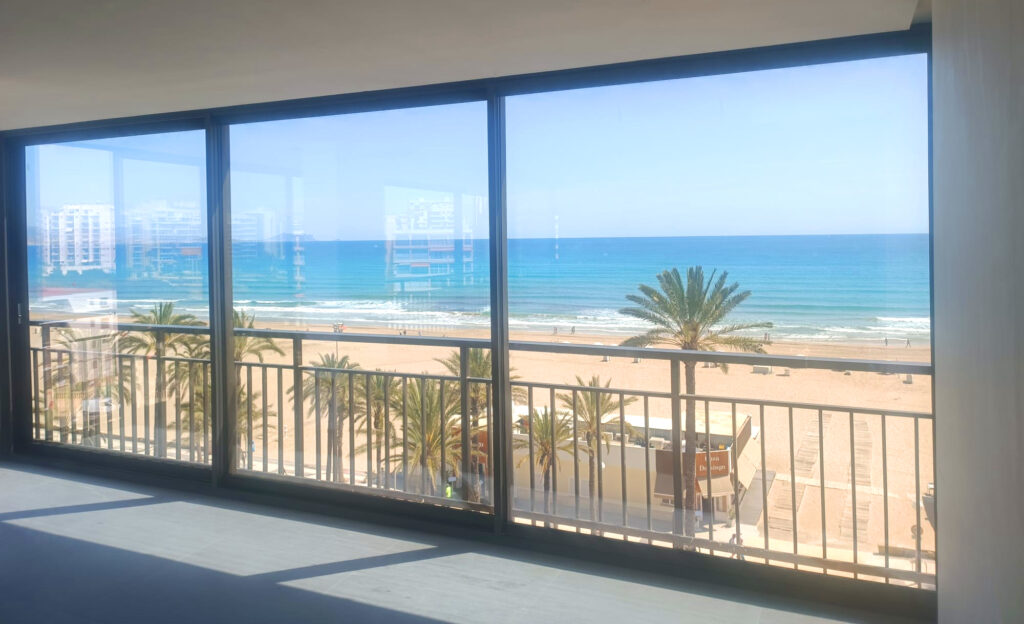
164	241
78	238
430	243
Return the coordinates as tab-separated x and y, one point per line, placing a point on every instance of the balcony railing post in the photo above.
297	395
160	408
677	450
47	406
465	472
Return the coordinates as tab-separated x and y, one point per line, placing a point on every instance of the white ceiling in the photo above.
75	60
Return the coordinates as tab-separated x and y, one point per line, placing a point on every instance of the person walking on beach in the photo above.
886	340
573	331
908	343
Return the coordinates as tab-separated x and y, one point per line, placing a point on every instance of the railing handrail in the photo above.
721	357
565	348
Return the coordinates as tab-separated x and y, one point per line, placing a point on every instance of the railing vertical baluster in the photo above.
405	434
370	471
160	406
529	445
207	411
108	393
490	443
735	479
101	377
317	414
297	402
707	461
553	460
351	432
821	479
885	497
441	419
600	460
423	435
333	433
134	400
464	415
764	485
853	488
280	420
36	401
177	410
622	457
65	428
47	383
248	417
575	452
264	415
647	460
102	392
677	450
792	484
73	416
917	492
317	427
387	379
145	403
191	412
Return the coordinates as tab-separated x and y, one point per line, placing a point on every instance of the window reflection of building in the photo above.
430	243
79	238
165	241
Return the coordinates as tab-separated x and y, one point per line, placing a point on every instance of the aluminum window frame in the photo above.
15	435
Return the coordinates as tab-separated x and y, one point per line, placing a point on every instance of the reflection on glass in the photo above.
368	232
770	213
116	256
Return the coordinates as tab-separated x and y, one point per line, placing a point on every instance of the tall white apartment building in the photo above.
79	237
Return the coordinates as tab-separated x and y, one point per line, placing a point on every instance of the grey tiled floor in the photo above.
85	549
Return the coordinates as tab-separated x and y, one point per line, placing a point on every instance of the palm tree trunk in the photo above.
690	446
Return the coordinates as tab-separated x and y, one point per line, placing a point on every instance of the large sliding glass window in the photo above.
718	304
118	304
361	300
760	214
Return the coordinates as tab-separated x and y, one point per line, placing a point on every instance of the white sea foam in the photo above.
424	313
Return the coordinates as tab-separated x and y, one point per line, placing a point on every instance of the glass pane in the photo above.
805	190
118	296
367	233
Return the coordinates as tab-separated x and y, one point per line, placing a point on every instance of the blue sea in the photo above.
814	288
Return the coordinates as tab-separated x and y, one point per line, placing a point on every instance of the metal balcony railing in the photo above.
811	485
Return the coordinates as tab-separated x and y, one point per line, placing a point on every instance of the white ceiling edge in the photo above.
64	61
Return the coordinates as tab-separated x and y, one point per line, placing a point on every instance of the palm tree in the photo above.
478	365
591	409
157	343
692	316
551	435
374	392
245	348
317	390
422	440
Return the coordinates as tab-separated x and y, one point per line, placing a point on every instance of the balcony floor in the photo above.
85	549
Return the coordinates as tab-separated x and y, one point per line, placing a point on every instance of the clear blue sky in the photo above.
826	149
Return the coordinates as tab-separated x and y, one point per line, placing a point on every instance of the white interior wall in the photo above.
978	103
